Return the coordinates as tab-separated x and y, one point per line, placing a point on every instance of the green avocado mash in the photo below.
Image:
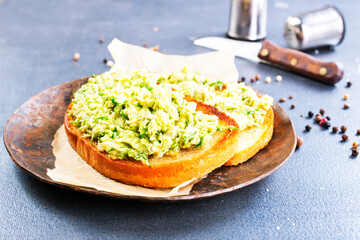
140	114
235	99
131	115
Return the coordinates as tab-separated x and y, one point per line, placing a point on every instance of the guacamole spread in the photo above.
237	100
139	114
133	115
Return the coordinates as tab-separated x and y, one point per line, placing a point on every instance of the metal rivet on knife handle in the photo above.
293	61
322	71
264	52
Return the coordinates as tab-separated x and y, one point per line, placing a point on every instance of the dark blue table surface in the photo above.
316	195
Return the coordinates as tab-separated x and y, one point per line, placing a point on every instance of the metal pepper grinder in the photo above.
248	19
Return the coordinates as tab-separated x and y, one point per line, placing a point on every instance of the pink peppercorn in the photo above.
322	121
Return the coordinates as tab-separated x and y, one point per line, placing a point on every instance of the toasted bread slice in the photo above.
166	171
252	140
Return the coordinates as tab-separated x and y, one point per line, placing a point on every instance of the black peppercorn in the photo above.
345	137
241	80
326	124
310	114
308	128
354	152
322	111
348	84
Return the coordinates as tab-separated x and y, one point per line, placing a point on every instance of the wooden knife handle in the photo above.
302	63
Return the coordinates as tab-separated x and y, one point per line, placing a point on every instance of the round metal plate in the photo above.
31	128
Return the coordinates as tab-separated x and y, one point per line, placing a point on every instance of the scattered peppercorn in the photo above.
354	152
310	114
326	125
335	129
252	80
345	137
278	78
301	115
282	100
348	84
308	128
242	79
322	111
268	79
346	106
299	142
101	40
346	96
76	56
257	77
292	106
358	132
145	45
322	121
343	129
105	60
110	63
318	118
328	118
355	145
290	97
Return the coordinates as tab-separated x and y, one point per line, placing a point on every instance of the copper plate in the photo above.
31	128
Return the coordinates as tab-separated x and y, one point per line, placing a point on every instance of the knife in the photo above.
267	52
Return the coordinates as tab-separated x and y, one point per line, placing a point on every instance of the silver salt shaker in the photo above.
248	19
322	27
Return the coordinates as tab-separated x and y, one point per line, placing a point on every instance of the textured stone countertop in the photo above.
315	195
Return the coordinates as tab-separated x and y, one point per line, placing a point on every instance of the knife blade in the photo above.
267	52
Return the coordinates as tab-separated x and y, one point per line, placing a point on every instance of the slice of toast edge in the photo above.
253	139
165	172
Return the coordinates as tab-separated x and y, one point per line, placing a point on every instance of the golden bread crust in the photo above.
252	140
167	171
